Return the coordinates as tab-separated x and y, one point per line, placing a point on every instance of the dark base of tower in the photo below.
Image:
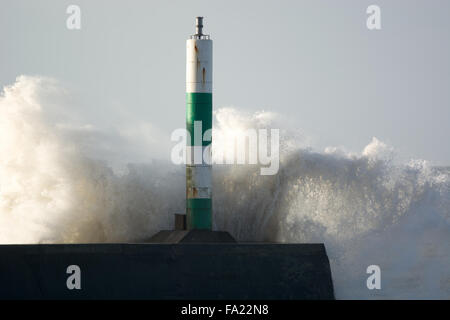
175	265
191	236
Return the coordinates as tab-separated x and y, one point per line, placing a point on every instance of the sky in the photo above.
314	62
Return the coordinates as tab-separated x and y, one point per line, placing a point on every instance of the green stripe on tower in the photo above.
198	108
198	208
199	214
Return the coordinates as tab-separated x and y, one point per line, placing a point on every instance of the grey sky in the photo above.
314	61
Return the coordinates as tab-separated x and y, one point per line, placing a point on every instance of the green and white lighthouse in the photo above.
199	125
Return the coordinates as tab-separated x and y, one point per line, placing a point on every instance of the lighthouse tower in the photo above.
199	125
